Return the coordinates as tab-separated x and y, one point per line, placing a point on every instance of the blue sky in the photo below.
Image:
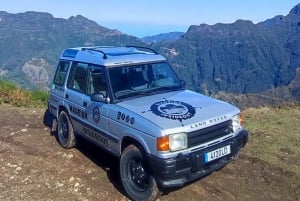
149	17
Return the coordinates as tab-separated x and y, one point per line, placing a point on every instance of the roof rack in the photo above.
96	50
140	47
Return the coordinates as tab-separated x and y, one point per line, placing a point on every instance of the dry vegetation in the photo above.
12	94
274	135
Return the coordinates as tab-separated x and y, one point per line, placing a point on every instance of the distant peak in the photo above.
37	14
3	13
244	22
295	10
293	18
80	17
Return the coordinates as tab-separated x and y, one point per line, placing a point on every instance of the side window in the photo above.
61	72
78	77
164	75
97	82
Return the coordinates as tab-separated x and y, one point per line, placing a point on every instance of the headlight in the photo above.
172	142
237	121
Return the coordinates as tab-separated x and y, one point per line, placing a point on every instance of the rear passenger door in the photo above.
58	89
76	90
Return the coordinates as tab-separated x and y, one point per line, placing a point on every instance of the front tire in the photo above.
65	132
136	178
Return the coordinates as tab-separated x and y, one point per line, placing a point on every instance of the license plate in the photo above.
218	153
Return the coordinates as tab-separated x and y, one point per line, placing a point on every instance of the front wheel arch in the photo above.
126	141
137	179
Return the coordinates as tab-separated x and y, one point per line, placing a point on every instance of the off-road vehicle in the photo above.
129	101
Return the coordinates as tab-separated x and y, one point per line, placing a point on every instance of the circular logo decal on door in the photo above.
171	109
96	114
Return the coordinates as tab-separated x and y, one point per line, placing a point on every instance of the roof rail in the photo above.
96	50
140	47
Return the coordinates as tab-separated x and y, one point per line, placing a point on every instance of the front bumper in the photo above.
175	172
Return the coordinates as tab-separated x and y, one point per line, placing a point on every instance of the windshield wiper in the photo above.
134	92
130	93
168	88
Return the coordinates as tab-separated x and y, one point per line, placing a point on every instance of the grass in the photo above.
274	135
11	94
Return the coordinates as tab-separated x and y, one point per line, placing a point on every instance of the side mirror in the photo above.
99	97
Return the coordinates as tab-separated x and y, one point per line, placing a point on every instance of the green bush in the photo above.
12	94
40	96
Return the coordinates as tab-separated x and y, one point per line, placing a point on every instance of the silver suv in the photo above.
129	101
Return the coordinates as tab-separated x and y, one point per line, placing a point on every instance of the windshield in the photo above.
142	79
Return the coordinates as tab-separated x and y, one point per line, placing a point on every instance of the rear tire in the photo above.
65	132
137	180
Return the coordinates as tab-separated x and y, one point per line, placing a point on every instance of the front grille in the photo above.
210	133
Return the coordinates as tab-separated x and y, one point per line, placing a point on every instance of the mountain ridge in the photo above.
39	36
240	57
163	37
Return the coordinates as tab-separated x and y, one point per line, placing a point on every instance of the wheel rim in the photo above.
138	175
64	129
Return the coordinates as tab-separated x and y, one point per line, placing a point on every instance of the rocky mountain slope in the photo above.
31	43
241	57
164	37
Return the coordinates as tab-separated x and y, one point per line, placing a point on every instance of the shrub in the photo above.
12	94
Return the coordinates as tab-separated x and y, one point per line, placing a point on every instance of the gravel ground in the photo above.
34	167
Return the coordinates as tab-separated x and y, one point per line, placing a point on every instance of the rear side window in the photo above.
78	77
61	72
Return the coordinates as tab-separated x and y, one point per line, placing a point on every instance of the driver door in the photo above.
97	110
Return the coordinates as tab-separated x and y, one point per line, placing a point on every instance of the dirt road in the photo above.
34	167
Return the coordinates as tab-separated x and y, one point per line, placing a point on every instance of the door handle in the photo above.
84	104
67	96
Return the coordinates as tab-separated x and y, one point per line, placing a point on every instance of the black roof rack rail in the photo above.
140	47
96	50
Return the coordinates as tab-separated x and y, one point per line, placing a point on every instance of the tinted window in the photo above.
78	77
61	72
142	79
97	82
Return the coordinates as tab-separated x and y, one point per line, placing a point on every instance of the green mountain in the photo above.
241	57
31	43
172	36
237	58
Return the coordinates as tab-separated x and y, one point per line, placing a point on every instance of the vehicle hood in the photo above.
180	111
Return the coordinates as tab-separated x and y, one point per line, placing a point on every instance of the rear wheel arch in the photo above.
62	108
65	131
56	116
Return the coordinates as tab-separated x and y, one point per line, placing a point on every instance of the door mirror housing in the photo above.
99	97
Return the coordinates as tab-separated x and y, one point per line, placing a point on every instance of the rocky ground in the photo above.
34	167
